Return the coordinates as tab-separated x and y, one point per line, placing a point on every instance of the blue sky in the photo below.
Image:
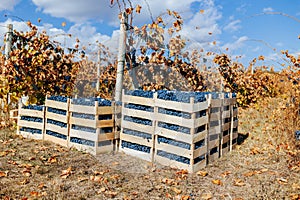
248	28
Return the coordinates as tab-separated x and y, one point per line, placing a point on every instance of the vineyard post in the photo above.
121	57
98	70
8	40
8	46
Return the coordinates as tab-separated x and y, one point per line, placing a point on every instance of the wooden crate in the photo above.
137	139
215	128
177	149
226	112
31	129
91	135
57	121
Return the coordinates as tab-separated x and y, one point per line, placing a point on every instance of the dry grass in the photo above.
265	166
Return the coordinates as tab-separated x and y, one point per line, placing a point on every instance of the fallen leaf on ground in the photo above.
66	173
217	182
202	173
177	191
239	182
206	196
3	174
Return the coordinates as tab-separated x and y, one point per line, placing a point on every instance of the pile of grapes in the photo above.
83	128
91	101
139	107
57	135
34	107
83	116
137	133
138	120
32	119
140	93
174	127
57	123
174	113
180	96
82	141
172	156
31	130
137	147
57	111
58	98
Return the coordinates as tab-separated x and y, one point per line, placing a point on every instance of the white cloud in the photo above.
233	26
268	9
8	4
237	44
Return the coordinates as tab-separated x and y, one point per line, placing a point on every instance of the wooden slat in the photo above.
31	113
57	104
138	127
28	124
138	113
138	100
106	136
56	117
138	154
84	135
56	140
57	129
83	122
83	109
136	140
105	110
173	149
187	138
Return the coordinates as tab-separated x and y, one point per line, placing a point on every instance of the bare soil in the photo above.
265	165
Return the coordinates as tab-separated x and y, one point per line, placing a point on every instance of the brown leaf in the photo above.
168	195
201	11
177	191
138	9
226	173
206	196
24	182
217	182
3	174
35	194
202	173
66	173
63	24
239	182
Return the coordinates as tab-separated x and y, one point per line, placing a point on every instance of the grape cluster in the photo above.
103	102
199	144
138	120
139	107
57	111
172	156
55	134
214	95
297	134
31	130
32	119
173	142
83	116
137	133
57	123
91	101
140	93
181	96
83	128
174	113
33	107
58	98
106	130
198	159
174	127
82	141
136	147
201	113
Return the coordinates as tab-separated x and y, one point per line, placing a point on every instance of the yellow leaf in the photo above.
3	174
202	11
177	191
206	196
239	182
202	173
217	182
63	24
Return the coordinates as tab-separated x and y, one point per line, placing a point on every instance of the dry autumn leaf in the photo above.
66	173
3	174
217	182
63	24
239	182
202	173
138	9
177	191
206	196
201	11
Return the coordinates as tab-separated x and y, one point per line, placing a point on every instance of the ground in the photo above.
265	165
